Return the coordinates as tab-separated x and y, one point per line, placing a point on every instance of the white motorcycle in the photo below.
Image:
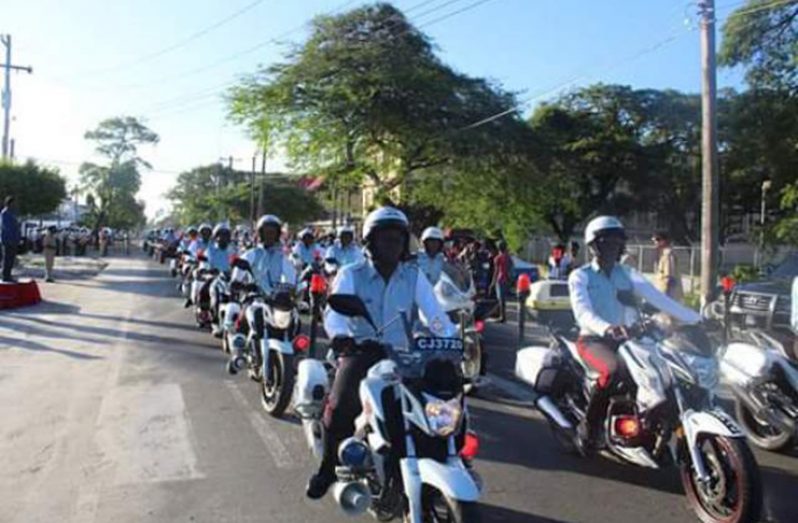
455	292
663	415
436	482
267	342
764	382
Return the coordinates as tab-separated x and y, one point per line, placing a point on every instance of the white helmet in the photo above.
268	219
383	217
221	226
205	226
601	224
307	231
431	233
344	229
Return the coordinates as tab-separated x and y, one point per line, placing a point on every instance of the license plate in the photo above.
440	344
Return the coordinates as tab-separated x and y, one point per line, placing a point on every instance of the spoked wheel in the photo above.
278	385
762	434
436	507
472	364
733	493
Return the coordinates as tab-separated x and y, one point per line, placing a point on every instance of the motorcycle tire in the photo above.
764	436
732	459
437	506
276	393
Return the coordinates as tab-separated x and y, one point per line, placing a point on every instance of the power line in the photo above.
177	45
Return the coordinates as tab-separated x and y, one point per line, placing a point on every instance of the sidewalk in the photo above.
66	267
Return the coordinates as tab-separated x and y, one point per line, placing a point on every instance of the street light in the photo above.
765	188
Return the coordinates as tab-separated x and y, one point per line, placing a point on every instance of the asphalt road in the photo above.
114	407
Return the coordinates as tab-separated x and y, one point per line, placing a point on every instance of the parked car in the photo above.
766	304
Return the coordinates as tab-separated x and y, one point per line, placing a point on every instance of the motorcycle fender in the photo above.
281	346
451	478
709	422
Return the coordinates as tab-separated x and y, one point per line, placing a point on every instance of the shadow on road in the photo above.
780	490
496	514
496	428
36	346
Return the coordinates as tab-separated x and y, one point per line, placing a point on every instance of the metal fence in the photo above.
688	258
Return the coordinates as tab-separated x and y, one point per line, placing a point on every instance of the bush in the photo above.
744	273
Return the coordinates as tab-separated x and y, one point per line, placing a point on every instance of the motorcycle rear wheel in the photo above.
735	491
277	387
437	507
764	436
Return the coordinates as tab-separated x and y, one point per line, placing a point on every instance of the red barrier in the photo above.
19	294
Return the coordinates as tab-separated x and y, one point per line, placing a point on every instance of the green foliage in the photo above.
762	36
786	228
113	187
37	190
366	97
214	193
744	273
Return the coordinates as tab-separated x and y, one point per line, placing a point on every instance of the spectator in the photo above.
666	275
573	256
558	263
49	249
503	267
9	237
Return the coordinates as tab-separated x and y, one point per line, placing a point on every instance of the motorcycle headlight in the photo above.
282	319
443	417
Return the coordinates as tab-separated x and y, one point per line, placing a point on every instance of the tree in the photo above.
366	97
762	36
785	230
37	190
204	194
113	186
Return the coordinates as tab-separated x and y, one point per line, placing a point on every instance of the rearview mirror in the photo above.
350	305
242	264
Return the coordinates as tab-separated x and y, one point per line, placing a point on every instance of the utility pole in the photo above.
8	66
261	182
252	191
709	153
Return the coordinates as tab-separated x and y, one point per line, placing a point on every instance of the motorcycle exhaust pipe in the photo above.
552	412
353	497
781	422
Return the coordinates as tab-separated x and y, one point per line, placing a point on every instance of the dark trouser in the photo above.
600	355
501	295
343	405
9	256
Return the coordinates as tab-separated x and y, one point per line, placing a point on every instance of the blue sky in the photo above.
94	59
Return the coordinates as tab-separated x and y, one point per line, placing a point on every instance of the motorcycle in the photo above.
412	469
764	382
663	415
456	293
203	275
273	342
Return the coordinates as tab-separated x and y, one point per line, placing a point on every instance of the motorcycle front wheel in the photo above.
437	507
278	385
763	435
734	491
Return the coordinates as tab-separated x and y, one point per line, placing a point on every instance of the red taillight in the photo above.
301	343
233	258
470	446
523	283
479	326
317	284
627	426
238	322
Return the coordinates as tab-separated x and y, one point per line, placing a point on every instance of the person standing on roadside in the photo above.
666	276
9	237
49	249
502	267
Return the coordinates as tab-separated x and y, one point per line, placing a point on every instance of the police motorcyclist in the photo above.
386	284
343	252
203	241
217	261
431	258
603	295
188	237
269	265
305	251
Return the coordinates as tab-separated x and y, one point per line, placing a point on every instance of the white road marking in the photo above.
144	429
282	458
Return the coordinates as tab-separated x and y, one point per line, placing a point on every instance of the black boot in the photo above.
320	482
